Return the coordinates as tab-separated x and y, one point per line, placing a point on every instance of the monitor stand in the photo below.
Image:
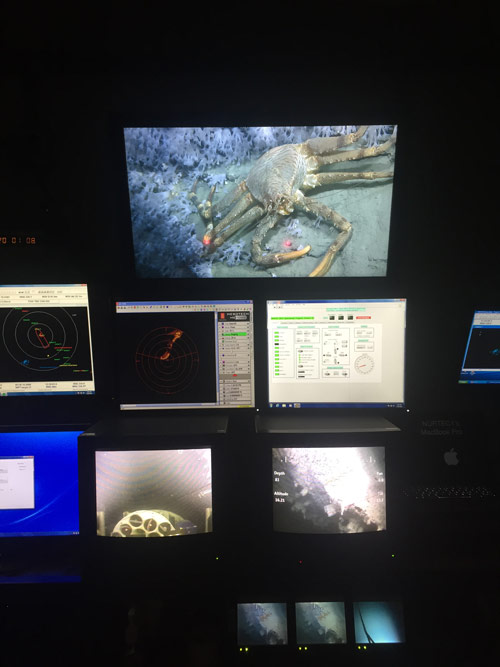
286	423
161	425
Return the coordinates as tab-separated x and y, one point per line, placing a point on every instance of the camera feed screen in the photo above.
320	623
154	493
252	202
329	489
379	623
262	623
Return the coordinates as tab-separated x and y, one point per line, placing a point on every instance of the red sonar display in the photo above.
167	360
41	337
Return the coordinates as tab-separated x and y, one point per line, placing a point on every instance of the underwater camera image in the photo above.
262	623
329	490
248	202
320	623
379	623
156	493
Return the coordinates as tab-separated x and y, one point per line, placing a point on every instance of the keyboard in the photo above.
475	492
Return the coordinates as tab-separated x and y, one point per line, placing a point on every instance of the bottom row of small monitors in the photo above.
266	623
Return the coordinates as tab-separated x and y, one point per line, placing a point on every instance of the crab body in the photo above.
277	176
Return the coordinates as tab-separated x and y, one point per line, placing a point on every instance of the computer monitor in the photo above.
244	202
262	624
329	490
320	623
46	344
481	363
378	622
185	354
153	493
336	353
38	483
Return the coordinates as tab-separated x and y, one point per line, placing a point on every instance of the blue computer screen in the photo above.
481	363
39	483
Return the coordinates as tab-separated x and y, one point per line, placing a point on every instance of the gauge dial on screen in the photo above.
364	364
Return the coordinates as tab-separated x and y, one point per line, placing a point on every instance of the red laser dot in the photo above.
288	243
206	241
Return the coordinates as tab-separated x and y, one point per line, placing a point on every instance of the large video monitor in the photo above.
185	354
245	202
153	493
38	483
329	490
378	622
481	363
336	353
320	623
262	624
46	345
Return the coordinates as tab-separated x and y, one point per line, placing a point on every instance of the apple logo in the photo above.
451	457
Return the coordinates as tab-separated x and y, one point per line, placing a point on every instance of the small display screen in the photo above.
45	344
481	363
262	623
379	623
153	493
320	623
329	489
185	354
39	483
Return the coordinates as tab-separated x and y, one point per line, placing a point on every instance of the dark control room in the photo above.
225	320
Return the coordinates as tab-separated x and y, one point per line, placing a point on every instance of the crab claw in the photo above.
276	258
209	239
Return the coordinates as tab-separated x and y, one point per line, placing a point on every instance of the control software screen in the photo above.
45	345
481	364
185	354
336	353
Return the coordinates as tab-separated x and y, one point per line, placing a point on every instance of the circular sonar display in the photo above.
167	360
40	340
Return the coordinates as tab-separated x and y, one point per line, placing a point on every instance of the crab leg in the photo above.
213	233
322	145
311	206
245	220
271	259
201	206
206	210
358	154
328	178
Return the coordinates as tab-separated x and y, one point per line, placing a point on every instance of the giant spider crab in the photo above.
275	187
